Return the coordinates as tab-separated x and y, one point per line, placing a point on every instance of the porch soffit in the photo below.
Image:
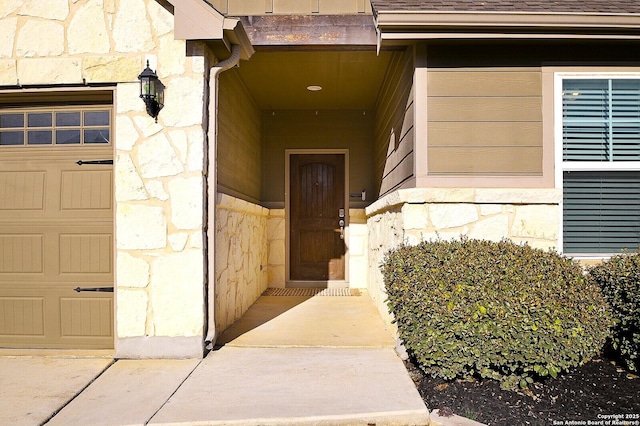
337	52
350	79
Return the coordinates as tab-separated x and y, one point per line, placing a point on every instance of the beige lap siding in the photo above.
485	122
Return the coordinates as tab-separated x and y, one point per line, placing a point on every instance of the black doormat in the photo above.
311	292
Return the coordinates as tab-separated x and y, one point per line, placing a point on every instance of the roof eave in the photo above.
412	25
199	20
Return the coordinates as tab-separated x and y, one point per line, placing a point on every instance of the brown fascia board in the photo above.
310	30
411	25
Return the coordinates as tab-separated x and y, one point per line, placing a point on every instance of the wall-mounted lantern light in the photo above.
151	91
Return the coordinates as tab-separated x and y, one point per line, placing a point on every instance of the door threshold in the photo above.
317	284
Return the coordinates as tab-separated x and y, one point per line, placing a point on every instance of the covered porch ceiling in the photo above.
282	78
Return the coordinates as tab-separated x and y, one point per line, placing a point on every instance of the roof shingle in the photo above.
527	6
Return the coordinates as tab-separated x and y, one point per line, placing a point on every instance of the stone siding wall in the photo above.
386	231
358	250
94	41
530	216
241	258
158	166
276	234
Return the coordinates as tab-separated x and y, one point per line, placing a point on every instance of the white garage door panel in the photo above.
86	317
83	320
21	253
56	253
22	315
56	234
85	253
85	190
22	190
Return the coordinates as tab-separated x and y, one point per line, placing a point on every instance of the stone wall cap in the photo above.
465	195
227	202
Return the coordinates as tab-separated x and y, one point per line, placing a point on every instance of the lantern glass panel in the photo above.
152	88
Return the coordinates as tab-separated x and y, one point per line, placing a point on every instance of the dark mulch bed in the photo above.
588	393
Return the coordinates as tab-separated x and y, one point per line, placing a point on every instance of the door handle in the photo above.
341	223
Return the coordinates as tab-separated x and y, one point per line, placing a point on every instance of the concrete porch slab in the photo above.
304	321
32	389
275	386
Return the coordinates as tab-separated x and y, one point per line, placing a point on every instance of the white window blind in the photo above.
601	135
601	211
601	120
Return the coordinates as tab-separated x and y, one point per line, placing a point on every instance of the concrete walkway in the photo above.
319	360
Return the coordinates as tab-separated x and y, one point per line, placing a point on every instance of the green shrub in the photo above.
619	279
497	310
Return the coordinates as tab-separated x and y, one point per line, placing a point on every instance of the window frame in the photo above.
81	109
595	166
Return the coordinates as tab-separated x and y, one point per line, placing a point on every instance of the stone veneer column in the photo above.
159	259
160	193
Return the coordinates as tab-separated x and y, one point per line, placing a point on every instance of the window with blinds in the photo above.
601	165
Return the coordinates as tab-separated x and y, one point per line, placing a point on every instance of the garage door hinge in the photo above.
99	289
81	162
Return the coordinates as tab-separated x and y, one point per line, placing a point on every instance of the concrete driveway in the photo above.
34	388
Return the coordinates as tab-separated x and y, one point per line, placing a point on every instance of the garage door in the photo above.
56	228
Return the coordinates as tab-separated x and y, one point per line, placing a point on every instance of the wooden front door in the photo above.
317	205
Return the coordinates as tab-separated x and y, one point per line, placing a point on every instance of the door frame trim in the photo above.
287	209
